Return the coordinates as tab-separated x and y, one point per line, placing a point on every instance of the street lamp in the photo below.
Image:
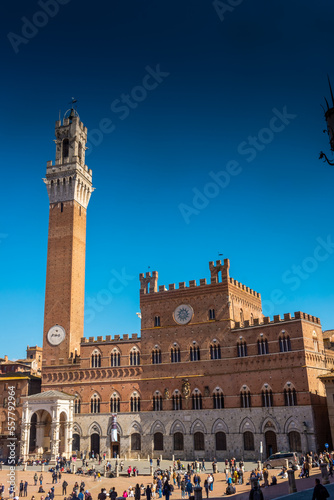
329	117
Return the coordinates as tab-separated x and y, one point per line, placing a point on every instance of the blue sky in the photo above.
226	76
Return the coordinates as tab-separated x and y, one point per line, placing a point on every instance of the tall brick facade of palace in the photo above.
208	375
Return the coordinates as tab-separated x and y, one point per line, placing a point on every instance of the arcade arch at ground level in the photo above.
224	432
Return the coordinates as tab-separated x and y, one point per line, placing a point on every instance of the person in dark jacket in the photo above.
319	492
148	492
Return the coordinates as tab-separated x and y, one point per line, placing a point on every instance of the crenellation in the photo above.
202	282
171	286
192	283
182	284
266	320
162	288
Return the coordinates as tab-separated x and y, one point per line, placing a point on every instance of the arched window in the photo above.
245	398
215	352
248	441
96	359
284	343
135	403
158	441
199	441
177	401
156	320
241	316
267	397
242	349
80	151
196	400
135	442
262	346
115	358
212	314
290	396
195	353
157	401
134	357
77	404
66	147
175	355
156	356
218	399
115	403
95	404
220	441
178	441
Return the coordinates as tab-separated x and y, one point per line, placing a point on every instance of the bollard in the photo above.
292	481
151	470
198	493
117	471
324	474
160	458
138	458
214	467
259	465
124	458
42	468
73	468
25	466
286	464
148	458
173	458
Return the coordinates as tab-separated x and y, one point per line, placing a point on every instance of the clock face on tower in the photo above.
56	335
183	314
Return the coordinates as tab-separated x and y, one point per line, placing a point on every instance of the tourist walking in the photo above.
319	492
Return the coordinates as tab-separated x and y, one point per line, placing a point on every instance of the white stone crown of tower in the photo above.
69	178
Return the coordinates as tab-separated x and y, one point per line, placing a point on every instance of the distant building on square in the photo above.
209	375
18	378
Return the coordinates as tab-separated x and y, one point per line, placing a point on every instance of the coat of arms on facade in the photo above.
185	388
166	394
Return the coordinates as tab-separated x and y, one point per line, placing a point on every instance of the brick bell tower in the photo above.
69	186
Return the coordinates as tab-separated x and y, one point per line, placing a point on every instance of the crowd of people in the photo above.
164	482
